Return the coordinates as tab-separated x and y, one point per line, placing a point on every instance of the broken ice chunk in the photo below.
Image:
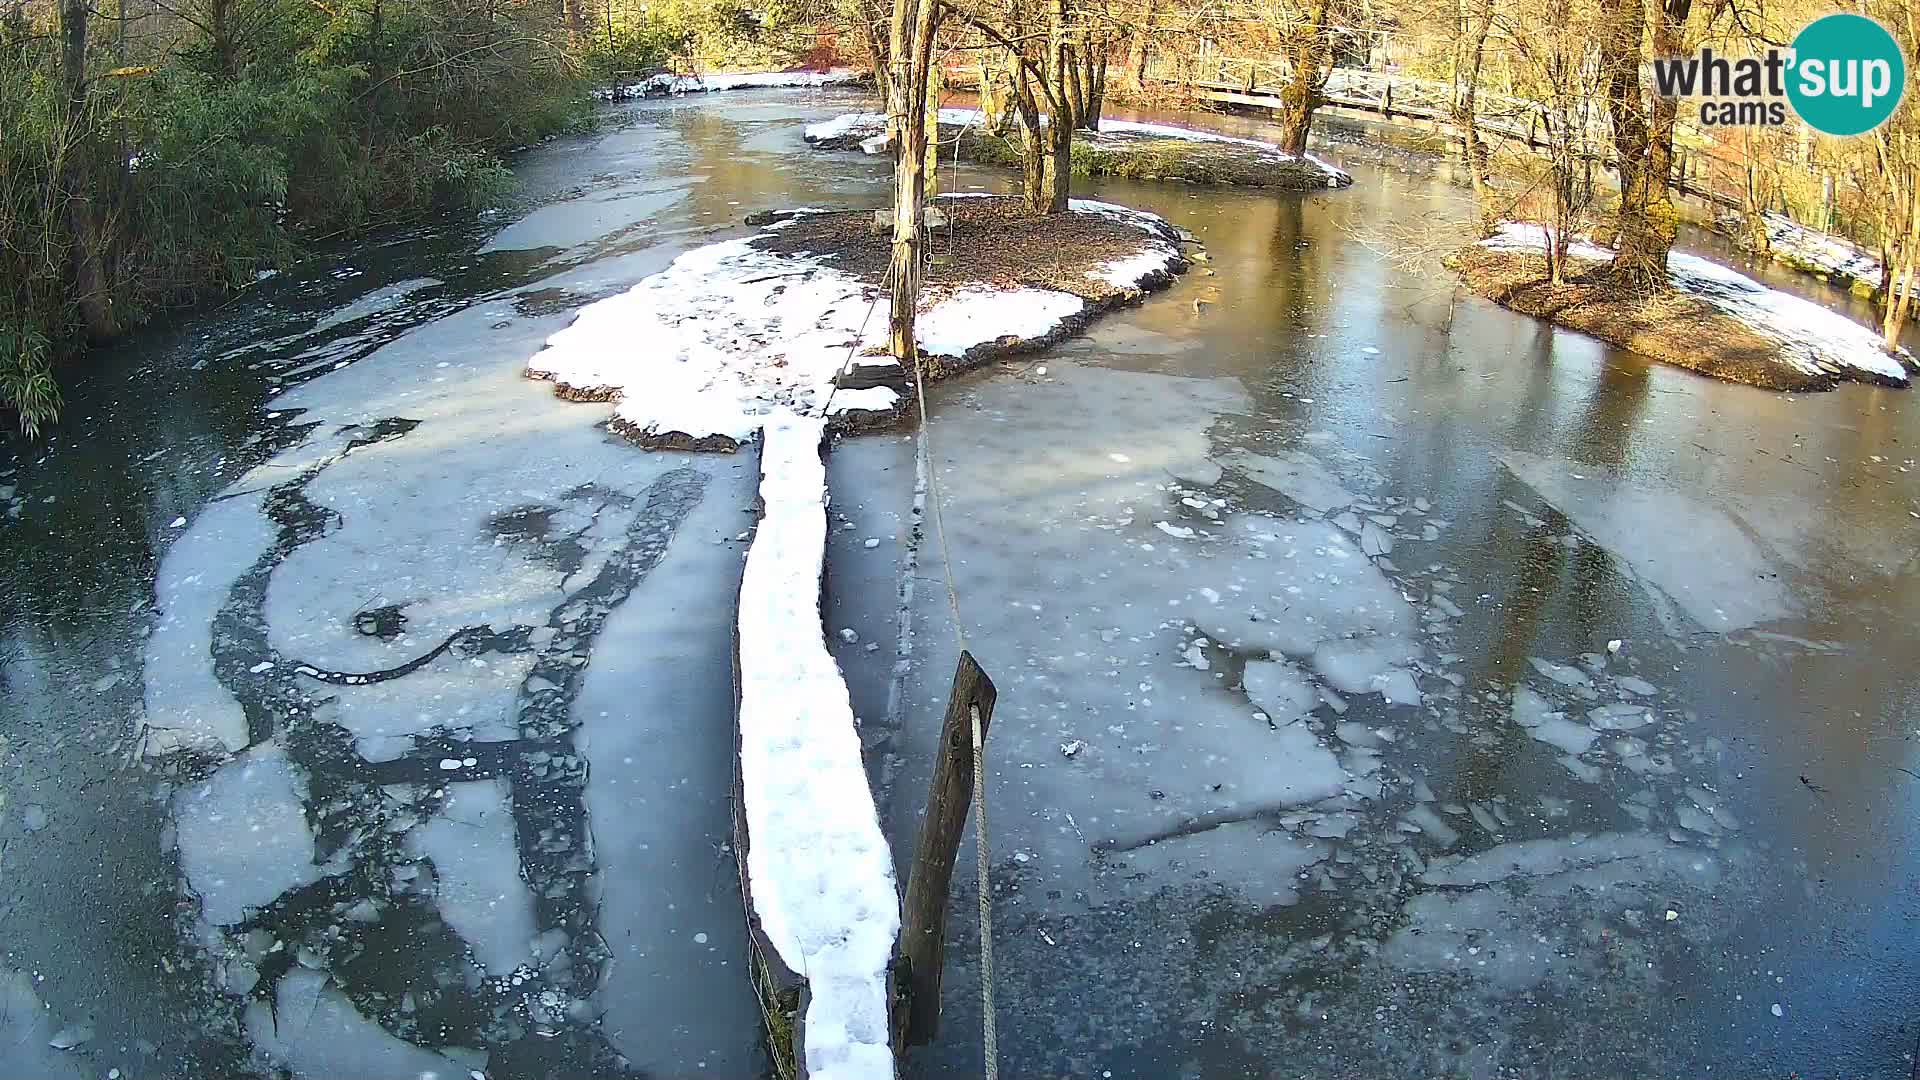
1557	731
1621	717
1280	689
1365	665
1432	825
1529	708
1563	674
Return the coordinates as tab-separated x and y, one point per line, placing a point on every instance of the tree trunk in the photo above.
1139	53
1904	249
1094	77
1033	144
89	270
910	50
1075	87
1638	258
1477	21
1059	129
1300	96
1661	221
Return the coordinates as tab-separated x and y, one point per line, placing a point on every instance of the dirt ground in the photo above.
1671	327
987	241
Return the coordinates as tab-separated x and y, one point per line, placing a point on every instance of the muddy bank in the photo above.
1121	149
1711	320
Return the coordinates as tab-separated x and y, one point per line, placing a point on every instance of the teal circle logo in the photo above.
1847	75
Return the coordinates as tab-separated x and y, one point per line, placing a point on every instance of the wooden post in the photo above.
923	934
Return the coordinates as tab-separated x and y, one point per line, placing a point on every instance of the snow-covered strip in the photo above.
818	869
746	80
1812	338
719	339
728	334
863	125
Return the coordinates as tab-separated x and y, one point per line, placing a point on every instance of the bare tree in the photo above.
909	73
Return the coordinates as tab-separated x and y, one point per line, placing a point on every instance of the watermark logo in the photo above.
1844	75
1849	75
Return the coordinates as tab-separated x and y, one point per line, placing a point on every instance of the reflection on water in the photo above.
1476	884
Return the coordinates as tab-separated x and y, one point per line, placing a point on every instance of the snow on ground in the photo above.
820	874
953	327
729	334
1806	248
867	125
746	80
1812	339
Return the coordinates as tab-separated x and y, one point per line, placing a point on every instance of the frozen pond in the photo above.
1389	684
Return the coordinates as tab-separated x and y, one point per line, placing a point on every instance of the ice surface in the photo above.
1432	825
1696	552
822	880
1256	860
1314	585
26	1031
1520	937
656	712
476	861
317	1034
1530	708
1564	674
1367	665
1621	717
375	302
243	834
1085	648
1558	731
1279	689
1812	338
1294	473
186	705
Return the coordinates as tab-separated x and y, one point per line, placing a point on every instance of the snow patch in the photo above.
954	325
818	867
729	334
1812	339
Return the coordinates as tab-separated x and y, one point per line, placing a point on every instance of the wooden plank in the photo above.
923	931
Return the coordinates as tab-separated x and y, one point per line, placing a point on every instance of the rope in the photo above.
989	1034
